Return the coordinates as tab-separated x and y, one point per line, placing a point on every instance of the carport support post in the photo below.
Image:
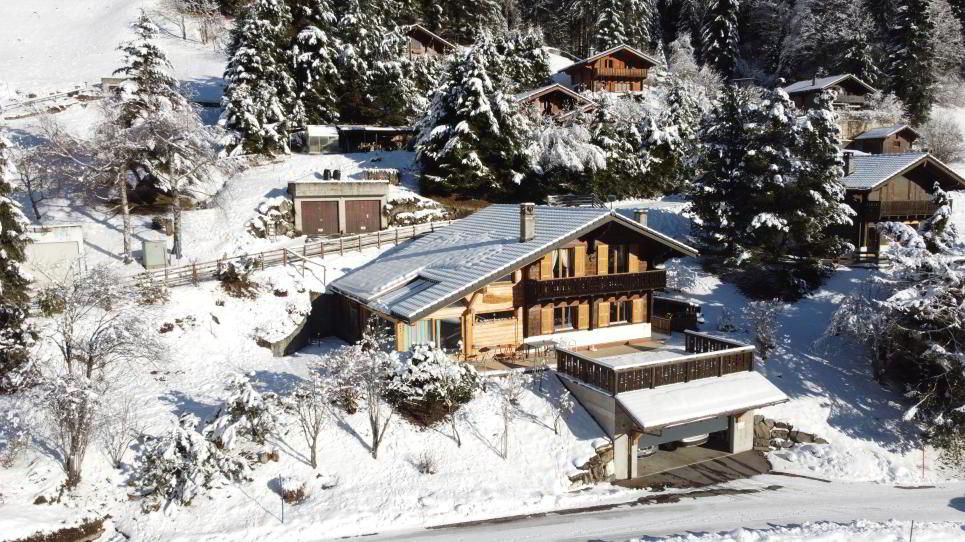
625	455
740	432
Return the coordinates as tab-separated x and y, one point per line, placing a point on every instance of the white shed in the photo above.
321	139
55	252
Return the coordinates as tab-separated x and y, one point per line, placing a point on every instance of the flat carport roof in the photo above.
677	404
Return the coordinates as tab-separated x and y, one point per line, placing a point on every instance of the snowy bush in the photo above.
762	323
429	386
407	209
427	462
292	490
14	437
245	412
944	138
179	466
151	291
235	277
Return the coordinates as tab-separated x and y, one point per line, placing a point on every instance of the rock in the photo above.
819	440
761	431
802	437
783	425
779	433
758	418
770	424
41	500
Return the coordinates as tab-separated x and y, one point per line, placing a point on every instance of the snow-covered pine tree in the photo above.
910	65
837	37
521	62
610	29
314	54
818	194
259	95
642	27
615	129
15	333
467	19
720	37
472	141
150	87
720	186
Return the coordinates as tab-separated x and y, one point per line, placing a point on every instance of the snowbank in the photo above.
858	531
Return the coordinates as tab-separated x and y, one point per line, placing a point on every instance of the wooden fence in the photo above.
197	272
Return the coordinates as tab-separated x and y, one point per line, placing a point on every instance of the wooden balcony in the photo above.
623	73
708	357
878	210
539	291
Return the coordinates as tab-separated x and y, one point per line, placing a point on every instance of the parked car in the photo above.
646	451
696	440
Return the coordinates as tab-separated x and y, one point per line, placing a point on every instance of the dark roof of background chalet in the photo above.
821	83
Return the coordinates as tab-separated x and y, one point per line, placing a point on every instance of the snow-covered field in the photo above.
858	531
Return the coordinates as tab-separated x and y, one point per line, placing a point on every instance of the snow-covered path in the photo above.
798	500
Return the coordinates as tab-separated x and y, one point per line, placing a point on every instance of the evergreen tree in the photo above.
724	140
720	37
911	60
643	29
150	87
615	130
610	30
466	19
817	197
837	37
521	62
472	141
260	93
15	333
314	55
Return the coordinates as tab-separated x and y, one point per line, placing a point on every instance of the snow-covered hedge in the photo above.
409	208
428	385
245	412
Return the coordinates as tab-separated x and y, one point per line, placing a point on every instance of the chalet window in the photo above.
487	317
450	334
564	318
619	261
620	312
564	263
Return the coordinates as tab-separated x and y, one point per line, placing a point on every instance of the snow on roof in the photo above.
612	50
887	131
452	262
320	130
555	87
371	128
699	399
870	170
821	83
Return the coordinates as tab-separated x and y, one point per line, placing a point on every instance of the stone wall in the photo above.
598	468
774	435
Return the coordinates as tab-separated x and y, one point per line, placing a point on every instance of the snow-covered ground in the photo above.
857	531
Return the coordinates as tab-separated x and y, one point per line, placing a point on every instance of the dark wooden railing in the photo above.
876	210
629	73
538	291
660	324
711	357
674	315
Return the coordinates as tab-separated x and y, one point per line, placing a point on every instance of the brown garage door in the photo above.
320	217
362	216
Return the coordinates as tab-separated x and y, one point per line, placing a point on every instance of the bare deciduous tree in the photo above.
762	320
119	426
311	403
564	408
944	138
510	391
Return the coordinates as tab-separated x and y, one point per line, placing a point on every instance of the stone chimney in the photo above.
848	163
527	221
640	215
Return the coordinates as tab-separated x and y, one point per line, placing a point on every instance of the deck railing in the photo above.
538	291
876	210
628	73
711	357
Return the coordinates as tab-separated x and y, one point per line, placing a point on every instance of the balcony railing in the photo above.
627	73
876	210
538	291
708	357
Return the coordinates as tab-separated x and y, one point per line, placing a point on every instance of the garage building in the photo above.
339	207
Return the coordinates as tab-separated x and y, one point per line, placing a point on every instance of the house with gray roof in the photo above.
893	187
850	92
899	138
511	276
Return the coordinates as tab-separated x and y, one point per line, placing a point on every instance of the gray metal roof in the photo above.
870	170
821	83
423	275
887	131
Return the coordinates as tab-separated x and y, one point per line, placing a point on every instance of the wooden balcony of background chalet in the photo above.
709	357
850	99
538	291
625	73
877	210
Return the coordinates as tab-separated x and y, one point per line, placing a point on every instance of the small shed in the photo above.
55	252
849	91
321	139
424	42
886	140
339	207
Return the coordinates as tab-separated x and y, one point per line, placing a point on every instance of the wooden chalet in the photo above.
850	92
424	42
577	283
892	188
886	140
620	69
555	100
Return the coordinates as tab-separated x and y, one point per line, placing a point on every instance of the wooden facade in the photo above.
604	279
850	93
901	140
621	69
425	43
555	101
